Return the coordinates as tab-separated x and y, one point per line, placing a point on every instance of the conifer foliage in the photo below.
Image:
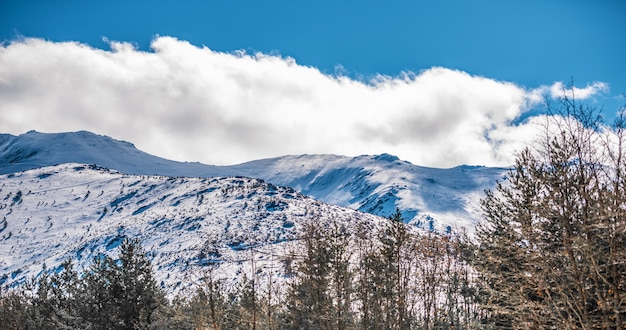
320	295
551	251
121	293
112	294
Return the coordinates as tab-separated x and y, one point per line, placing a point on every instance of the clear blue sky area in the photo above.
528	42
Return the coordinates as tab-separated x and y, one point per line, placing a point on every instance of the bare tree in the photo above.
551	250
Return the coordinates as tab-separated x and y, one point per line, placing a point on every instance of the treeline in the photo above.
391	278
111	294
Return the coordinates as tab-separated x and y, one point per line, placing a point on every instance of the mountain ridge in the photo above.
438	199
50	214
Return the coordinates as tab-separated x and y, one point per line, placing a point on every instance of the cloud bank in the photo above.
190	103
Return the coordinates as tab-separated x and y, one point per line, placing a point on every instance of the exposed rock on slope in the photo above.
439	199
50	214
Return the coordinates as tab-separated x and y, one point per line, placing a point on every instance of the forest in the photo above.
549	253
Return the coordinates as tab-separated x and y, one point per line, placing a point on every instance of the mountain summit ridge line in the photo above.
438	199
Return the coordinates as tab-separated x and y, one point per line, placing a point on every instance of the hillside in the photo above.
439	199
50	214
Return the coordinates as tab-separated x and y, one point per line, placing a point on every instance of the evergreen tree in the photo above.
341	276
369	291
395	244
249	302
551	250
139	293
16	313
101	294
121	294
176	314
309	304
57	299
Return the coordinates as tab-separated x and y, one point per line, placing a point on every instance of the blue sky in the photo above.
530	44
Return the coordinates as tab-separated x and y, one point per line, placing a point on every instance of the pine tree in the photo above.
341	276
249	302
551	250
16	313
369	280
57	299
396	266
139	293
101	294
121	294
309	304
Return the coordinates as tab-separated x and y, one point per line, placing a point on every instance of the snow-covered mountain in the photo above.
34	149
439	199
53	213
54	206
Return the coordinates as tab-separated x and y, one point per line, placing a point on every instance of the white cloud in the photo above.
558	89
189	103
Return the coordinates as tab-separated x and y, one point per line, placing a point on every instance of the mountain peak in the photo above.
35	149
375	184
386	157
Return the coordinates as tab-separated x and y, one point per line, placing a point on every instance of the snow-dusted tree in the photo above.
551	250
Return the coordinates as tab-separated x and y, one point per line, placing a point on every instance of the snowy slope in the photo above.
50	214
428	197
34	149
